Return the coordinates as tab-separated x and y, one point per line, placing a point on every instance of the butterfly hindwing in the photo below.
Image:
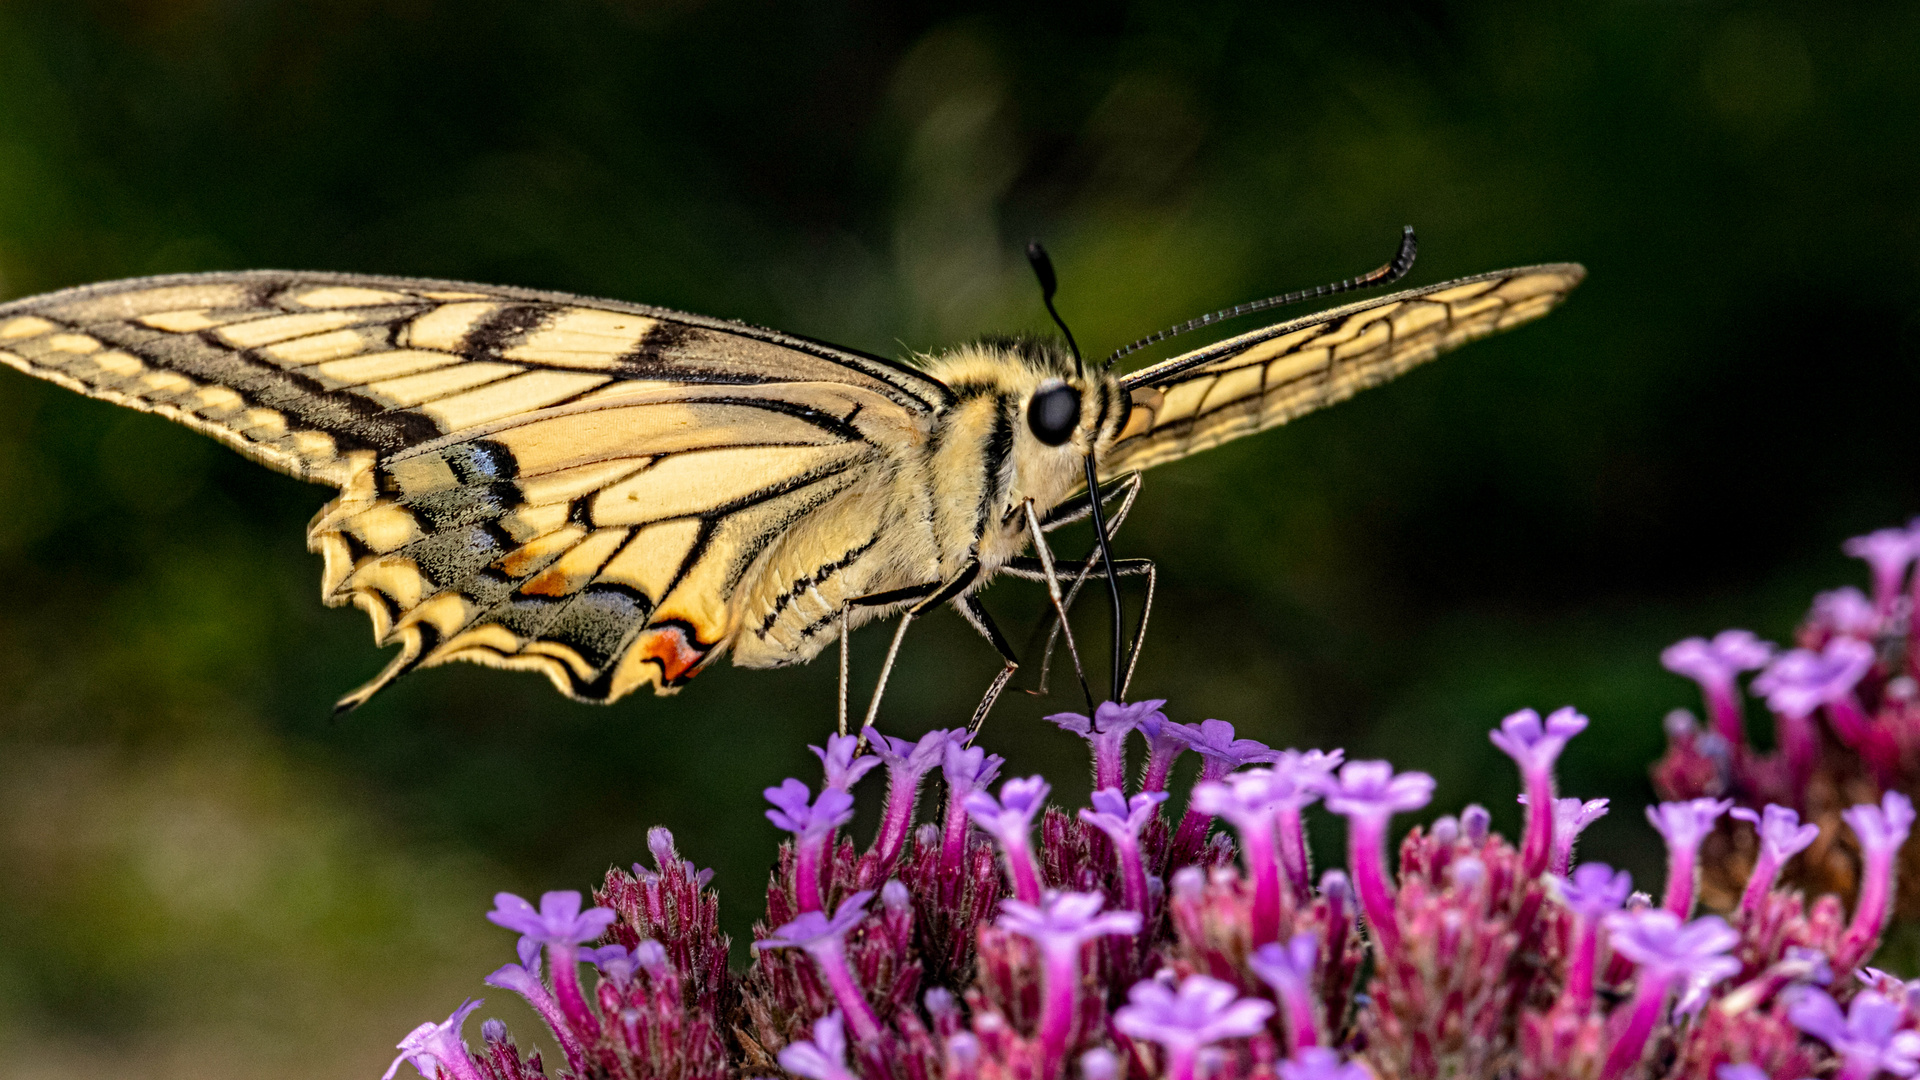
1270	376
528	480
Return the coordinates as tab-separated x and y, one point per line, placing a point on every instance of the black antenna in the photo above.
1043	269
1394	269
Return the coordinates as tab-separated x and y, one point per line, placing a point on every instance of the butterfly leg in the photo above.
846	629
1126	490
975	613
886	669
928	596
1053	592
1030	569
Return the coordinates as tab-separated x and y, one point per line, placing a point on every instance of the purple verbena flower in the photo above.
614	961
1106	733
1309	770
1741	1071
1668	952
1715	665
1249	801
562	927
1320	1063
967	769
823	1057
1594	892
1291	969
825	942
558	922
432	1047
1660	944
1846	611
1882	831
812	822
1887	552
524	979
1122	819
1059	926
907	763
1201	1011
1801	681
843	769
1868	1038
1684	825
1166	741
1534	745
1368	794
1571	817
1010	820
1220	752
1781	838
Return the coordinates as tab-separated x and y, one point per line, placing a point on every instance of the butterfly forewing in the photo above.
1270	376
528	480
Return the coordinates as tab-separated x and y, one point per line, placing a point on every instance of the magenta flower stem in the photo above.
1291	833
895	822
1801	744
1723	709
1297	1003
1859	731
1133	875
1159	767
1869	914
830	956
1766	868
1858	1068
1367	859
953	838
1257	846
1110	761
1062	960
1191	831
1681	872
1022	867
808	853
1849	720
563	961
1536	847
1181	1061
1581	971
1643	1013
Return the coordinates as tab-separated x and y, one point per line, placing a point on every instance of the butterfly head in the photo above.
1057	411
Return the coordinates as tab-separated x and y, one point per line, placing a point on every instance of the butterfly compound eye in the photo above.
1053	413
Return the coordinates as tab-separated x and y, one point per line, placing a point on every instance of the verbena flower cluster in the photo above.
1005	938
1845	706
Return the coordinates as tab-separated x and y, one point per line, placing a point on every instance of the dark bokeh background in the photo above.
202	874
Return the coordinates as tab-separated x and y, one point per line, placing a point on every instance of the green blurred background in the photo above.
203	874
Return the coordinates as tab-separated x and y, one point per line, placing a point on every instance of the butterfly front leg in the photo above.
929	595
1031	569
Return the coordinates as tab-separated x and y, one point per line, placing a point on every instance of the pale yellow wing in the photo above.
1270	376
529	480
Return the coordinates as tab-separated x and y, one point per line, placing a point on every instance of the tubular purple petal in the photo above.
1684	825
1009	819
1200	1012
1882	831
842	768
1887	553
433	1047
